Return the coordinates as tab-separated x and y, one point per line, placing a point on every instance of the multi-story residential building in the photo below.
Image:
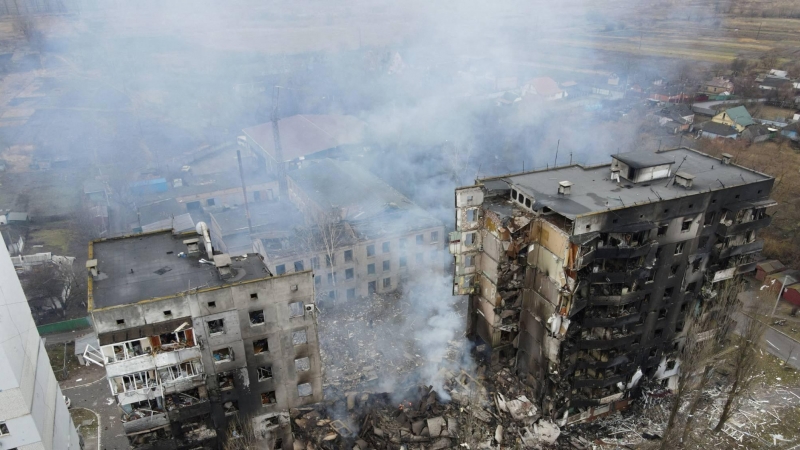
584	276
197	345
361	236
33	411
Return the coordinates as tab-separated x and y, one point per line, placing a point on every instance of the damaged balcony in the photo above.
180	377
142	419
188	404
725	230
600	378
614	294
612	317
601	359
605	338
198	430
733	249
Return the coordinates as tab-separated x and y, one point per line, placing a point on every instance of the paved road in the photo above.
775	342
93	393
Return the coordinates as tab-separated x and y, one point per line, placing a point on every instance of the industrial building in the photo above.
582	277
33	410
200	346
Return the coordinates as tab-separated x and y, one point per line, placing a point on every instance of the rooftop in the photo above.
740	115
140	267
720	129
277	216
593	191
640	160
303	135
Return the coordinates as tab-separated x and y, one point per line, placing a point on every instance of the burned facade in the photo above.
197	345
582	278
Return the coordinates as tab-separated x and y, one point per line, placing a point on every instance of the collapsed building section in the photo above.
201	347
583	278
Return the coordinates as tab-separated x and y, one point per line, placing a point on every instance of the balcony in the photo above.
176	356
617	299
598	382
131	365
142	421
189	409
183	383
609	321
605	344
616	252
743	249
626	277
724	230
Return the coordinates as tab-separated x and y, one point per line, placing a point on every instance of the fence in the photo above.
80	323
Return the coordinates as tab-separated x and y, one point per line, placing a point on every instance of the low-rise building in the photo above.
196	344
737	117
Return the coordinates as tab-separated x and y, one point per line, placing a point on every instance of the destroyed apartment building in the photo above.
359	235
197	344
581	278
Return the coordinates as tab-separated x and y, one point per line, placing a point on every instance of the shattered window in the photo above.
222	355
686	225
225	380
216	326
349	274
299	337
280	269
471	215
264	373
304	390
257	317
260	346
662	229
371	250
302	364
370	269
268	398
296	309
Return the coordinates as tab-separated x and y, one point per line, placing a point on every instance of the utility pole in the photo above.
778	300
558	144
759	30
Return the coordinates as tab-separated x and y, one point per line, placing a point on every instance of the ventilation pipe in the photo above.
726	158
564	187
202	230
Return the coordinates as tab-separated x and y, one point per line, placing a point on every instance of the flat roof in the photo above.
593	191
306	134
146	266
642	159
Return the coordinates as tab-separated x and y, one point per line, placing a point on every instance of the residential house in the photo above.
759	133
677	117
714	130
195	342
670	94
737	117
768	267
775	84
718	85
543	88
361	236
305	136
584	279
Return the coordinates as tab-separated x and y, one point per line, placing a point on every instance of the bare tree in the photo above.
241	434
324	234
744	360
457	159
739	66
43	287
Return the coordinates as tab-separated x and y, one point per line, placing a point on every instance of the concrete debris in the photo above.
521	409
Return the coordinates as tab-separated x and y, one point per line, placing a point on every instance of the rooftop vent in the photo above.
684	179
726	158
91	265
191	246
615	174
223	264
564	187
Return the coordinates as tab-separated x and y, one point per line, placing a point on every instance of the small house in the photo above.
718	85
792	294
543	87
713	130
769	267
737	117
776	281
758	133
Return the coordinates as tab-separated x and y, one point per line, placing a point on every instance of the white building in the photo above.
33	414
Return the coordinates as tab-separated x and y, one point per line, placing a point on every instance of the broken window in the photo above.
304	390
691	286
469	239
264	373
657	334
175	339
469	261
257	317
280	269
222	355
668	292
387	265
662	229
302	364
296	309
268	398
225	380
418	258
709	218
403	261
260	346
662	313
679	247
370	269
371	250
210	202
686	225
349	274
254	296
385	247
167	313
299	337
298	266
403	242
674	270
679	327
351	294
472	214
696	264
315	262
216	326
278	444
348	256
420	239
434	237
4	429
330	260
671	364
231	407
372	287
387	282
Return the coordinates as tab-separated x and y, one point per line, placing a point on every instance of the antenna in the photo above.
654	192
672	178
558	144
720	182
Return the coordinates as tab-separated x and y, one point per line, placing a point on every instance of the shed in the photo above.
17	217
84	341
768	267
792	294
777	280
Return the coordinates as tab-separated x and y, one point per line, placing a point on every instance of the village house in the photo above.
714	130
737	118
543	88
718	85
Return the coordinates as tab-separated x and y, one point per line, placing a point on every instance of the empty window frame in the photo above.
662	229
370	269
302	364
371	250
257	317
386	247
260	346
469	261
296	309
679	247
264	373
231	407
304	390
280	269
268	398
686	225
298	266
387	265
372	287
469	239
299	337
387	282
349	274
225	380
472	215
348	256
216	326
4	429
222	355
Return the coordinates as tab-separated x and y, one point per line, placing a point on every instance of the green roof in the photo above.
740	116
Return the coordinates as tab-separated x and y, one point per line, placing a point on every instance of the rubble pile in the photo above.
467	412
